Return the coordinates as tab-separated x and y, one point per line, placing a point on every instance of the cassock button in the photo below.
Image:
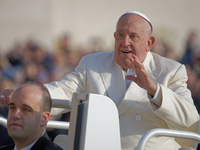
138	118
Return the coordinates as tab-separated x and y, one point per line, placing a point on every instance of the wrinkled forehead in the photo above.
139	14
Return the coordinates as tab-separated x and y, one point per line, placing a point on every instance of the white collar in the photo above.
147	60
28	147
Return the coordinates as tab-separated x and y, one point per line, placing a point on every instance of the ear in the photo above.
151	41
44	118
115	35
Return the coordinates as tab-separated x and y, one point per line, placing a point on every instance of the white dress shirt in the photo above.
27	147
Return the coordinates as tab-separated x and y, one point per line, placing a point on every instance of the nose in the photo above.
126	41
16	114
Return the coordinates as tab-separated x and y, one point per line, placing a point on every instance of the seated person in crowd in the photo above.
29	111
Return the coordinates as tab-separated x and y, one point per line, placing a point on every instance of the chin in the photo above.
126	65
14	135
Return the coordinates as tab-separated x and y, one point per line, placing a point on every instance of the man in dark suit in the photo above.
29	111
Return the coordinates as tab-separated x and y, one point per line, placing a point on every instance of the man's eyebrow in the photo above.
27	106
11	104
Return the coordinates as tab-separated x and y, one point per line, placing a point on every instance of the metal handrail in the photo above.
50	124
58	124
61	103
3	121
56	103
168	133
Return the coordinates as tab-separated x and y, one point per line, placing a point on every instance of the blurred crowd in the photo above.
30	61
191	59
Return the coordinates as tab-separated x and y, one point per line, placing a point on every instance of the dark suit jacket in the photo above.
44	143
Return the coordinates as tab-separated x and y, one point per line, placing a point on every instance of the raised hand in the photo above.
5	96
142	78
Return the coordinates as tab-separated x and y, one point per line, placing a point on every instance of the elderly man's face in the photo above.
132	36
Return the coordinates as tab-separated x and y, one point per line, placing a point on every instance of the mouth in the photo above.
126	51
15	125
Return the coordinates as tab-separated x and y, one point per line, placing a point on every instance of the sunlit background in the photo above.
89	20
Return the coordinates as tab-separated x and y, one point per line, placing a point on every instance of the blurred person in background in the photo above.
192	85
163	49
195	62
4	138
191	59
64	44
191	45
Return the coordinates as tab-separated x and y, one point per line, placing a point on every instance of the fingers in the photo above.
133	63
138	68
130	77
3	101
5	96
141	74
136	64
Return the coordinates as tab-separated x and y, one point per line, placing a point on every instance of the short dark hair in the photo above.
47	101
